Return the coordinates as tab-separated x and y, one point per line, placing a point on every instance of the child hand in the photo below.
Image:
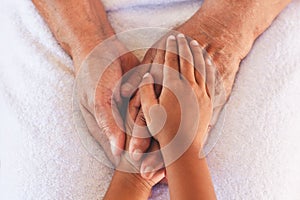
180	116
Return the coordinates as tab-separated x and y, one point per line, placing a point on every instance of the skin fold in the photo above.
226	29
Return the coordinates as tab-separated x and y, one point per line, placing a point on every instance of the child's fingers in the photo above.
134	107
210	76
171	66
148	97
157	67
200	73
185	59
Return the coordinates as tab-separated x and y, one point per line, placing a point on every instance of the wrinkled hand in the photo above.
98	88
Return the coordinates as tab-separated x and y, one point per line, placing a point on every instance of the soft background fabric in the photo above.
257	156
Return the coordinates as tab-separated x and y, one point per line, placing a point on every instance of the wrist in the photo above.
83	43
188	156
173	151
133	182
185	144
80	26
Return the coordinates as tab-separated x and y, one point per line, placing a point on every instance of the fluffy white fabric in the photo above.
257	156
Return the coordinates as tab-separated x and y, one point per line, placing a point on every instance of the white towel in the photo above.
257	156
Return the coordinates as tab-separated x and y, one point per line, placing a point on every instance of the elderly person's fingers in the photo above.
153	162
148	96
140	140
94	130
136	127
106	109
109	121
136	75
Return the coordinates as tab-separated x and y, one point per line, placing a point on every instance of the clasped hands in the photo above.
167	96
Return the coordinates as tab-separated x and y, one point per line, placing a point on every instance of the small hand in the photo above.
184	103
153	60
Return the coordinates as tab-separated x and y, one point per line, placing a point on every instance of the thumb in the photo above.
148	97
136	74
110	124
132	83
94	130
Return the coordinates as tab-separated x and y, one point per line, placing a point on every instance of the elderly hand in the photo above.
182	112
97	86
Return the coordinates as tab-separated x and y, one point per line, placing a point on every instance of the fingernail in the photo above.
194	42
180	35
171	37
208	61
146	75
114	148
137	154
127	87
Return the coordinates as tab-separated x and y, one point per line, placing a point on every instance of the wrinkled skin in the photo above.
226	29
